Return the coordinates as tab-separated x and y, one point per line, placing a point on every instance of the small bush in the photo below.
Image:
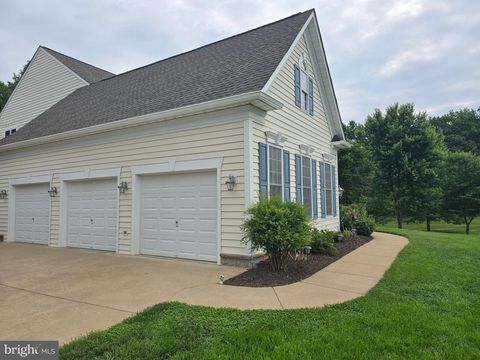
355	216
278	228
322	241
364	226
347	235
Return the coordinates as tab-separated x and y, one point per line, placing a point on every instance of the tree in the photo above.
461	188
355	166
406	149
6	89
461	129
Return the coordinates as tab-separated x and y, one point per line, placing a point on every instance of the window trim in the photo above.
331	189
302	92
312	177
268	169
10	131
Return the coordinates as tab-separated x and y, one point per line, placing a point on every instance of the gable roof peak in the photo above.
234	66
87	72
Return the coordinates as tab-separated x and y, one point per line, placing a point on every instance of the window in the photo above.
275	171
9	132
328	189
303	89
307	183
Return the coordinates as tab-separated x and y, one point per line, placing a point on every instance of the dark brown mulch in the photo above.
264	276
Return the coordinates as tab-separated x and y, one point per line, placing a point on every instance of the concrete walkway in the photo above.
348	278
61	293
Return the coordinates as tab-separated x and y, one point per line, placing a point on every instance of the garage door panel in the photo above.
32	213
92	214
190	199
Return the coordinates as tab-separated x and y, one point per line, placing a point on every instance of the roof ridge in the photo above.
209	44
71	57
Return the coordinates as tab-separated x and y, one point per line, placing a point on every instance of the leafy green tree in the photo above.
406	149
461	188
461	129
6	89
355	166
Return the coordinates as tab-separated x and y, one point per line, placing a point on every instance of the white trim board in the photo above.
175	166
31	180
321	70
90	174
285	58
256	98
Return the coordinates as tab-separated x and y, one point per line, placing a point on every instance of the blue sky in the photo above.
379	51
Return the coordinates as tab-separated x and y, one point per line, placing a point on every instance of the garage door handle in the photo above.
176	223
91	221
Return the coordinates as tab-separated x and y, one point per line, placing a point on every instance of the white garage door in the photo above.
179	215
92	214
32	213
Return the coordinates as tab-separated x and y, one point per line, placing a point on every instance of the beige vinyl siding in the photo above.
45	82
214	135
297	125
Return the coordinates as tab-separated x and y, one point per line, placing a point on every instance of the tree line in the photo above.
414	168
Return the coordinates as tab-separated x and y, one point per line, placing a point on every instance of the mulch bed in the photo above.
264	276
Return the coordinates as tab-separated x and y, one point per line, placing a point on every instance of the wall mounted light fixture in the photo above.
53	191
123	187
3	194
231	182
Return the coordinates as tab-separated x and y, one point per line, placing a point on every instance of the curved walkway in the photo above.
348	278
61	293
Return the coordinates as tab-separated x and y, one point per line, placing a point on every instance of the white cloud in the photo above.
424	52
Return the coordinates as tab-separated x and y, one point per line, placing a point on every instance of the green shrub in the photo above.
278	228
355	216
347	235
322	241
364	226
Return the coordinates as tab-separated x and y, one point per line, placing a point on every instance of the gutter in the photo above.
255	98
341	144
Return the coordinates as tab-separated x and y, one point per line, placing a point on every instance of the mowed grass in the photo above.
426	307
440	226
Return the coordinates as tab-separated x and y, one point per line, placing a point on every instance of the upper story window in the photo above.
10	132
303	87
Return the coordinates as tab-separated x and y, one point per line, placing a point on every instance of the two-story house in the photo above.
164	159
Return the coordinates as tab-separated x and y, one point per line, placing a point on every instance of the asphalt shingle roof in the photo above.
87	72
236	65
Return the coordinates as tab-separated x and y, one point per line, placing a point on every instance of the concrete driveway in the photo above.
60	293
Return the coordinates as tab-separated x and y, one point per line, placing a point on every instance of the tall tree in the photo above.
355	166
6	88
407	150
461	188
461	129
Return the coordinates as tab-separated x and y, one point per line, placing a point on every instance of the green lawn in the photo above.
426	306
440	226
